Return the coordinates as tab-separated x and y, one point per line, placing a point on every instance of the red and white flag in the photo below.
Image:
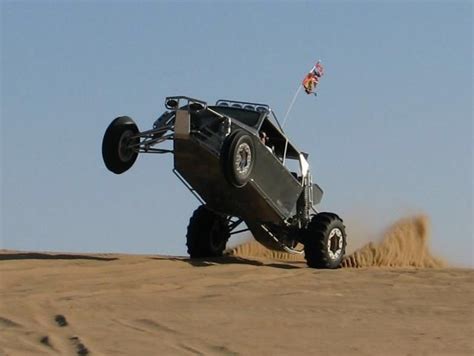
311	79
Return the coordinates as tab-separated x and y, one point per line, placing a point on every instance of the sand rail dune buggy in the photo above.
237	161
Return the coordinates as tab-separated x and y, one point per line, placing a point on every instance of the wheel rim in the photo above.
335	243
243	159
125	152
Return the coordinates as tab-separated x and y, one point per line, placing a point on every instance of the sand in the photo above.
148	305
400	300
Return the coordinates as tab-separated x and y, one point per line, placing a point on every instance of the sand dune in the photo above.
251	302
63	304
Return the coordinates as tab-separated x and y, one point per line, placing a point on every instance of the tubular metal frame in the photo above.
148	139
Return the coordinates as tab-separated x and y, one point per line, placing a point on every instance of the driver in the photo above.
264	139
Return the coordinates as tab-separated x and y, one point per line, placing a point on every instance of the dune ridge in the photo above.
404	244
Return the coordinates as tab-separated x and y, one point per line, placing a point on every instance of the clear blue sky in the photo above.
390	133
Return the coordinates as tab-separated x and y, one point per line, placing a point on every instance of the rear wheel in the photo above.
325	241
116	151
238	158
207	235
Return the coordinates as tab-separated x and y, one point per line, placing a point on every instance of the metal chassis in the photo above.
149	138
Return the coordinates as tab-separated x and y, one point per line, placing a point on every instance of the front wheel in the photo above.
325	241
117	152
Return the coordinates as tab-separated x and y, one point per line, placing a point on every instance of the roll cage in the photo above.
266	121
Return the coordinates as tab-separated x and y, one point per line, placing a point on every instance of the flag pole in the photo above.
291	105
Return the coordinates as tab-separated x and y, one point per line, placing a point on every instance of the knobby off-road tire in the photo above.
117	155
207	235
325	241
238	158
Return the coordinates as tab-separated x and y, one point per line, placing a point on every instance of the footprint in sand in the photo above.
60	320
81	349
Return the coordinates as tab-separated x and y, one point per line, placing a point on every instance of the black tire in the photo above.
325	241
118	158
238	158
207	235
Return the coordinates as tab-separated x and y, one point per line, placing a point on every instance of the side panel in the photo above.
270	195
276	181
202	170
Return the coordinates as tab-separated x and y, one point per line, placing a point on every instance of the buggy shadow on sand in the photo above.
228	259
236	159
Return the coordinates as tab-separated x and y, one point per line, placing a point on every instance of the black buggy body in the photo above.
235	158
